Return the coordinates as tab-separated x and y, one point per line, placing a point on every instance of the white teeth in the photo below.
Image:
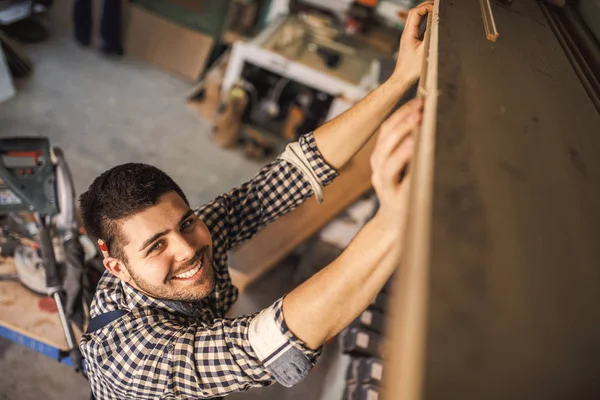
191	272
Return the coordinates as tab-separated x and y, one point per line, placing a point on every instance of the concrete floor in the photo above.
104	112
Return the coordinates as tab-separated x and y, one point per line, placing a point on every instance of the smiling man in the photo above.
159	326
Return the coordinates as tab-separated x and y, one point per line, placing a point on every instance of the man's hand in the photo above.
341	138
391	156
410	57
325	304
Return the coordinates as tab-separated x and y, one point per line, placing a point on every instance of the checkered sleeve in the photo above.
277	189
286	357
157	355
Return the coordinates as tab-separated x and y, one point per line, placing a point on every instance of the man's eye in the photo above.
186	225
155	246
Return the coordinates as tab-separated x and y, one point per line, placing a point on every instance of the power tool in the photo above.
35	180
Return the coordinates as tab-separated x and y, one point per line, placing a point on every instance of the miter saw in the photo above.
39	229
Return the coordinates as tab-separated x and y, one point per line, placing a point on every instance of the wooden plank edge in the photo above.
407	326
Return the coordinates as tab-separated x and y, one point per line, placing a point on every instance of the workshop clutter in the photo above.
41	237
364	339
284	83
261	89
364	342
226	113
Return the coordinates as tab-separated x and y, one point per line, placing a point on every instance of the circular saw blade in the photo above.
30	269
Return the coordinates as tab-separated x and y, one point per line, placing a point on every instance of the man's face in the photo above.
169	251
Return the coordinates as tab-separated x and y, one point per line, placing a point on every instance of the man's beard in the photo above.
192	293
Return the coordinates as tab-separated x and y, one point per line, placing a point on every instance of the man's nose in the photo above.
183	250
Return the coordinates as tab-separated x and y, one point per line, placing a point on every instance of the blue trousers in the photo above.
110	25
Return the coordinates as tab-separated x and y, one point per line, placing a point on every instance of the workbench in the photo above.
23	322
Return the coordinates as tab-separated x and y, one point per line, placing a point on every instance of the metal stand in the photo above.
54	289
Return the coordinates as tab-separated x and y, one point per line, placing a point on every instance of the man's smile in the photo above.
192	271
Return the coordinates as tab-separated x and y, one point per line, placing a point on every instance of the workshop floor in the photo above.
104	112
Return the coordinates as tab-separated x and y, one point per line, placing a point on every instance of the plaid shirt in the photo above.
175	350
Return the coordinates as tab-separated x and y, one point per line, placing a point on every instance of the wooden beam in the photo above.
506	299
407	326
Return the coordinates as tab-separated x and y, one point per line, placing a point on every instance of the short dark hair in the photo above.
119	193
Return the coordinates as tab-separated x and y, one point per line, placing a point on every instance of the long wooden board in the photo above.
407	327
511	307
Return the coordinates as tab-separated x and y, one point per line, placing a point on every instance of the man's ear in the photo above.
117	268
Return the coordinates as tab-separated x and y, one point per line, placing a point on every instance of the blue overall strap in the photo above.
100	321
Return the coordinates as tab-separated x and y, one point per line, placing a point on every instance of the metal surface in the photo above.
29	269
65	221
27	172
7	89
68	330
54	286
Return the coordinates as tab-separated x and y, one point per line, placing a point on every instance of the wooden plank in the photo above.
407	326
19	312
166	44
279	239
512	310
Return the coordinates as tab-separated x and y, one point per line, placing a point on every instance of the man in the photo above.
167	265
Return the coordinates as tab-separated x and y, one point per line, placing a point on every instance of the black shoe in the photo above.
112	50
82	39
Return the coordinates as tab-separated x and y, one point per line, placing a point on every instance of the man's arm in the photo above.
150	354
325	304
341	138
280	186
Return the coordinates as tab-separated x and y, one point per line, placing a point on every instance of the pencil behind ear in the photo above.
103	248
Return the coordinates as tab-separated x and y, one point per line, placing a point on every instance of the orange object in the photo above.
31	154
368	3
